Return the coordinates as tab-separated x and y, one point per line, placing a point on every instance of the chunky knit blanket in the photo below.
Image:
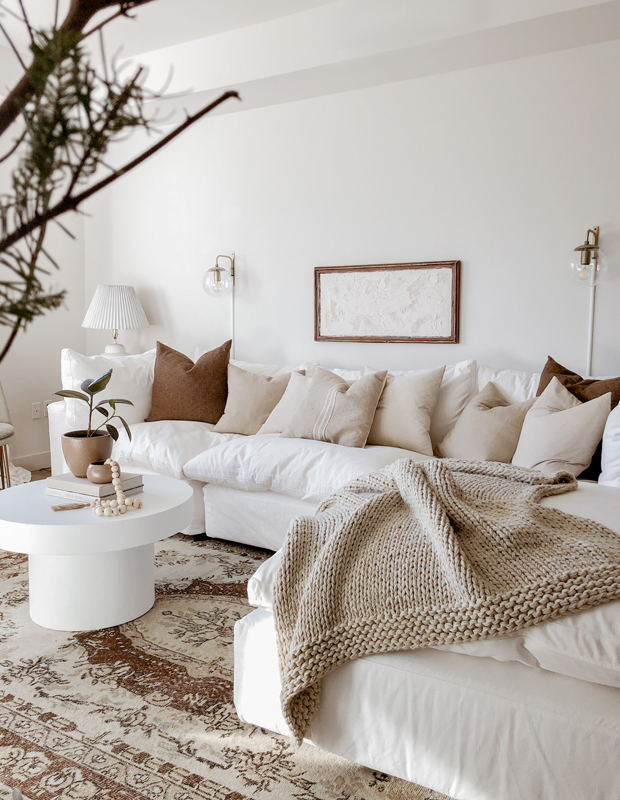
427	554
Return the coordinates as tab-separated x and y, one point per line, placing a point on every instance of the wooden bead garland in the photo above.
112	508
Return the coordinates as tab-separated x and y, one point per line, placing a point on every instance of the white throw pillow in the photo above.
560	432
132	379
610	459
517	387
283	412
403	415
273	370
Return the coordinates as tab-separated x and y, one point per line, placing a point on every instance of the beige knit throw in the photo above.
426	554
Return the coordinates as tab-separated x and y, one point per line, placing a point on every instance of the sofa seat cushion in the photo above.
165	446
302	468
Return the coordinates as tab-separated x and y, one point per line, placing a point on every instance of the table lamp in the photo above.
115	308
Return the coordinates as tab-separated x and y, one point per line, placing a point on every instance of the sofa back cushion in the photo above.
560	432
515	386
186	390
132	379
488	429
251	399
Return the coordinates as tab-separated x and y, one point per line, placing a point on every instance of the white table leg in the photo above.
88	592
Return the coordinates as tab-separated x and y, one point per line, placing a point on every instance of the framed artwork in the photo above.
417	302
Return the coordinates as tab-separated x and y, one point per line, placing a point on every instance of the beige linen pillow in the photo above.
488	429
561	432
251	399
403	415
283	412
333	411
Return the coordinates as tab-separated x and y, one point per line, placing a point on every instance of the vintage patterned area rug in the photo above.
145	711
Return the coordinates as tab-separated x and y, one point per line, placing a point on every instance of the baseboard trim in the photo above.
34	461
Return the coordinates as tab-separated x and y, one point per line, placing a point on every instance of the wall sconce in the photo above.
589	268
220	282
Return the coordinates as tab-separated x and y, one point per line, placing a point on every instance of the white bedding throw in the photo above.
428	554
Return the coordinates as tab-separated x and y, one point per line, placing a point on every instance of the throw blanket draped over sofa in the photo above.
429	554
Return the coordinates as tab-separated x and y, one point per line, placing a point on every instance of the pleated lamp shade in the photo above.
115	308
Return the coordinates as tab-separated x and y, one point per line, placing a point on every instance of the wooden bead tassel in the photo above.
112	508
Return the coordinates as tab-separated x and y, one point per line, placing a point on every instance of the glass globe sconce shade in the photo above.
588	263
217	282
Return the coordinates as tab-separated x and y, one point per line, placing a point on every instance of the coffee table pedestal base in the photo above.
88	592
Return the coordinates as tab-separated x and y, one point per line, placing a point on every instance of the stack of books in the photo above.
81	489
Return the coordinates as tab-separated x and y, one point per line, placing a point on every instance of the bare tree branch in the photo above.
71	203
78	16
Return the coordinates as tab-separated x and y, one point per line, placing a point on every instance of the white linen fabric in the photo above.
447	720
610	458
302	468
273	370
132	379
560	432
260	519
517	387
165	446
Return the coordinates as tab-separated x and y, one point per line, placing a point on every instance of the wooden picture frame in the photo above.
411	302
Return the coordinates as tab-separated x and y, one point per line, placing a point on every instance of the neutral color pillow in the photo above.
584	389
251	399
333	411
560	432
457	388
275	370
488	429
403	415
517	387
283	412
132	379
186	390
610	457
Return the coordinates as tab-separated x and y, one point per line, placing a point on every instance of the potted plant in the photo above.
81	448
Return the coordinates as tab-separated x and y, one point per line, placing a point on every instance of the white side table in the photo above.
88	572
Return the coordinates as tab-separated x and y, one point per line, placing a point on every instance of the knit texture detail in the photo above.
429	554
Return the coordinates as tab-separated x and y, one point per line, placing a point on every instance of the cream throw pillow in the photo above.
251	399
283	412
333	411
561	432
488	429
403	415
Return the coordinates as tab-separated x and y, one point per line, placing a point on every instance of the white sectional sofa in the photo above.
533	717
248	488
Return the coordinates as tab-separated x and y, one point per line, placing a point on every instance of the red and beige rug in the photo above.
144	711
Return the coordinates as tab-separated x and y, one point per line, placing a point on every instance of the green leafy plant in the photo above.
89	389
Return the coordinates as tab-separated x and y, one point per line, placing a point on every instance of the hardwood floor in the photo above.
41	474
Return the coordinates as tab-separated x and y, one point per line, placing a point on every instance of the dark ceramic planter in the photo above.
81	450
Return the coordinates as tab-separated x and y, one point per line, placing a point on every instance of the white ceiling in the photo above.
275	51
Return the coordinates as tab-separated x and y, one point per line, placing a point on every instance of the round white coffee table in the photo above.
88	572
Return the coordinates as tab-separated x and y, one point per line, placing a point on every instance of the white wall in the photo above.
31	371
503	167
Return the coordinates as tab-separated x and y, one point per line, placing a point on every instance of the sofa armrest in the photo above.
57	414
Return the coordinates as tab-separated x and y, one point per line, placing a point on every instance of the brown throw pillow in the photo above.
583	389
184	390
